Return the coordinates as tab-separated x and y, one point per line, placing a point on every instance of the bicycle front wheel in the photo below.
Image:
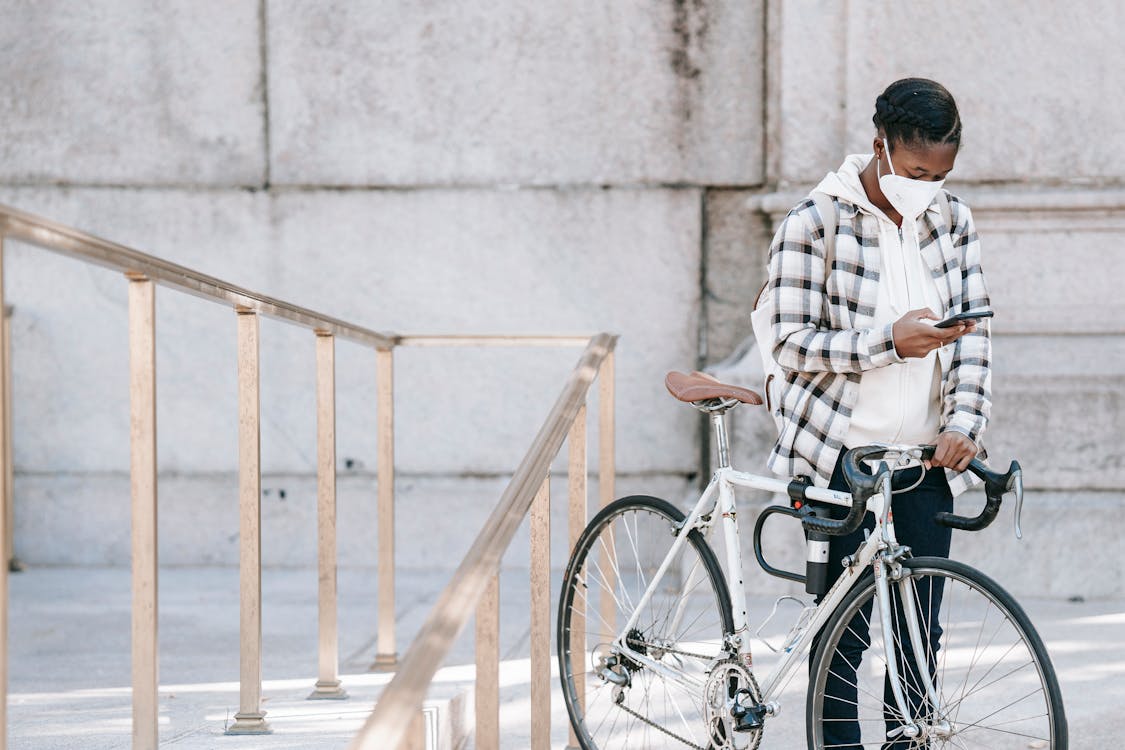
990	681
650	695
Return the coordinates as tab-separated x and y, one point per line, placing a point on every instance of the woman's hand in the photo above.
954	450
916	339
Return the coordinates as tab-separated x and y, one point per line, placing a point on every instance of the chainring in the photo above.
728	679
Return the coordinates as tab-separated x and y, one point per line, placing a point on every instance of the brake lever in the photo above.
1015	483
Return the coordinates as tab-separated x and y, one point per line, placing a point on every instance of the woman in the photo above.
863	361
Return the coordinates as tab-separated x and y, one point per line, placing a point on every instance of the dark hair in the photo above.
918	111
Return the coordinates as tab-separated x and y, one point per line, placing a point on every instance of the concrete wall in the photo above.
1043	167
416	168
516	167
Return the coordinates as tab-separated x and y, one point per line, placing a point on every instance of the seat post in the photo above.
719	422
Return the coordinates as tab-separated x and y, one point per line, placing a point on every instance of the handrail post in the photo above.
142	434
540	633
250	719
487	690
328	680
8	477
386	658
576	478
6	460
416	735
607	477
388	723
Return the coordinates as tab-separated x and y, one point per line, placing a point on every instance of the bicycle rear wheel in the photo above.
615	701
992	677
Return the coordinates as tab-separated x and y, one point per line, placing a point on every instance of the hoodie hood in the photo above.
844	183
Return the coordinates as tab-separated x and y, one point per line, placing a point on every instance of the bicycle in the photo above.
654	645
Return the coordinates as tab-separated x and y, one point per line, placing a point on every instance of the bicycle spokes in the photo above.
946	659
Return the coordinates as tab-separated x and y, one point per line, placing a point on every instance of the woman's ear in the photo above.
877	147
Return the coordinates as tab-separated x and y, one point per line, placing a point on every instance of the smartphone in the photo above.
963	318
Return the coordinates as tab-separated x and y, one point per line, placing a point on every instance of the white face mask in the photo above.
909	197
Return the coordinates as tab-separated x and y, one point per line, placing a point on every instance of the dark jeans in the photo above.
914	526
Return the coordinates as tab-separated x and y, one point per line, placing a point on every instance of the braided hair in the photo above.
918	111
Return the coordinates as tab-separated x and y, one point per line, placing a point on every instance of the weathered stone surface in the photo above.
1065	431
70	330
1058	356
736	244
124	94
516	92
1038	283
524	261
130	92
808	104
837	57
435	261
1071	545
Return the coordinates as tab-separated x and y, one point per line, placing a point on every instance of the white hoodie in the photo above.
898	403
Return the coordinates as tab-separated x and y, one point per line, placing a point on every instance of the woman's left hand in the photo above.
954	450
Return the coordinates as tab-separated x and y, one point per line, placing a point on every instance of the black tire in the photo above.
644	529
994	680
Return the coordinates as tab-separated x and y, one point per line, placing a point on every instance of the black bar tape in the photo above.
995	485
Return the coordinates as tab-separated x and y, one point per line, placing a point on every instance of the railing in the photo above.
475	585
7	490
143	273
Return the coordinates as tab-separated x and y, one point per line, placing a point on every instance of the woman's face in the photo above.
918	161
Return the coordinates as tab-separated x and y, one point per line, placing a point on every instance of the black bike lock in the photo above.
816	561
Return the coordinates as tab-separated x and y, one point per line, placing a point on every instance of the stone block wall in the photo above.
443	168
1042	167
515	167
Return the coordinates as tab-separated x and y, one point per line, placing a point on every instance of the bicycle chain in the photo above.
646	645
668	732
668	649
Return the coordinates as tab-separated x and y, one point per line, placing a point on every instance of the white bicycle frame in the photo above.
719	498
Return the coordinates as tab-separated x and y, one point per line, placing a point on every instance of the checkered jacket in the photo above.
824	339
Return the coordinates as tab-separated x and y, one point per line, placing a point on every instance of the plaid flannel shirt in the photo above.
824	339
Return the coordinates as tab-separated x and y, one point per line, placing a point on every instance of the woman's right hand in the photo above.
916	339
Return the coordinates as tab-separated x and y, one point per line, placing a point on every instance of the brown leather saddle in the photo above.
699	386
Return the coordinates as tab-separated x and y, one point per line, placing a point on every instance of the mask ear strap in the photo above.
887	148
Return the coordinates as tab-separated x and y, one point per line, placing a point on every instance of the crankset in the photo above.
733	704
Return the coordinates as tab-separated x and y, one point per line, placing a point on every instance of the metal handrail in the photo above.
59	238
143	272
396	708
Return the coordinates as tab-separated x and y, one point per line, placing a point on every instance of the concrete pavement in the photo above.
69	663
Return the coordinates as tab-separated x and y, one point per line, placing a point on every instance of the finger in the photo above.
940	452
960	334
961	450
951	334
924	313
936	335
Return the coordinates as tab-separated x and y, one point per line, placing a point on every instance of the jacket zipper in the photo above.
902	375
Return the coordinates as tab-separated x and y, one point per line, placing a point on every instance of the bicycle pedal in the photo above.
748	719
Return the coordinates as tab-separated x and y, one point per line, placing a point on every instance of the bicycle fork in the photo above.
887	571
